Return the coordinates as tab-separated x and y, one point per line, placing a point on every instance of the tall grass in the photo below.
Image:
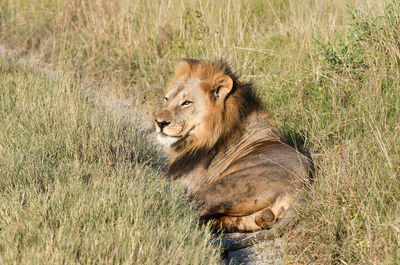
135	44
327	70
351	214
80	185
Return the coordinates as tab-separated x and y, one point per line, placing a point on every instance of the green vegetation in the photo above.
329	71
81	186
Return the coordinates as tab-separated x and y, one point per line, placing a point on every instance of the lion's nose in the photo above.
162	124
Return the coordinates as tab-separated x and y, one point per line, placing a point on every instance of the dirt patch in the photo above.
264	253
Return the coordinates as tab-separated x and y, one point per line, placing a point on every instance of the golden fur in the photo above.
225	149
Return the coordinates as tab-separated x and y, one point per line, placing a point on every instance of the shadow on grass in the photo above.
298	141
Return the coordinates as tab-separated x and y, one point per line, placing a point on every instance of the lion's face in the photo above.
193	108
184	111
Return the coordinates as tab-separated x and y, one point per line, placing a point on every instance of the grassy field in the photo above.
329	71
80	185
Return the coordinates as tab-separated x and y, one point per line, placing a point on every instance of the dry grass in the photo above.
81	185
327	72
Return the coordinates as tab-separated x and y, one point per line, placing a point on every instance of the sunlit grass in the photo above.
80	185
327	70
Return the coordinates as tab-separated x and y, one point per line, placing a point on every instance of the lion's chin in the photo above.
166	140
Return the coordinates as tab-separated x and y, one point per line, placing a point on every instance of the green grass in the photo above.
329	71
80	185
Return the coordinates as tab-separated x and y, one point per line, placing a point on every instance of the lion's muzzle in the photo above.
161	124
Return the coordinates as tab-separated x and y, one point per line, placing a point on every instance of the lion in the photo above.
227	152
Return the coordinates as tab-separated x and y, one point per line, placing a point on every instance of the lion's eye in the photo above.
186	103
165	99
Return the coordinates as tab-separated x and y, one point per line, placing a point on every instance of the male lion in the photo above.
226	151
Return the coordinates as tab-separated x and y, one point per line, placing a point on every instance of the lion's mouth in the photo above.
163	134
168	140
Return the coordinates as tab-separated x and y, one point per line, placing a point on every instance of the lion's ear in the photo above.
223	87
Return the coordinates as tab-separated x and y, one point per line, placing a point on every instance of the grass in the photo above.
80	185
328	71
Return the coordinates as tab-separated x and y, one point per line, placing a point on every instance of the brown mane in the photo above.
223	121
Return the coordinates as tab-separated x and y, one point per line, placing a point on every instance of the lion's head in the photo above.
203	104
